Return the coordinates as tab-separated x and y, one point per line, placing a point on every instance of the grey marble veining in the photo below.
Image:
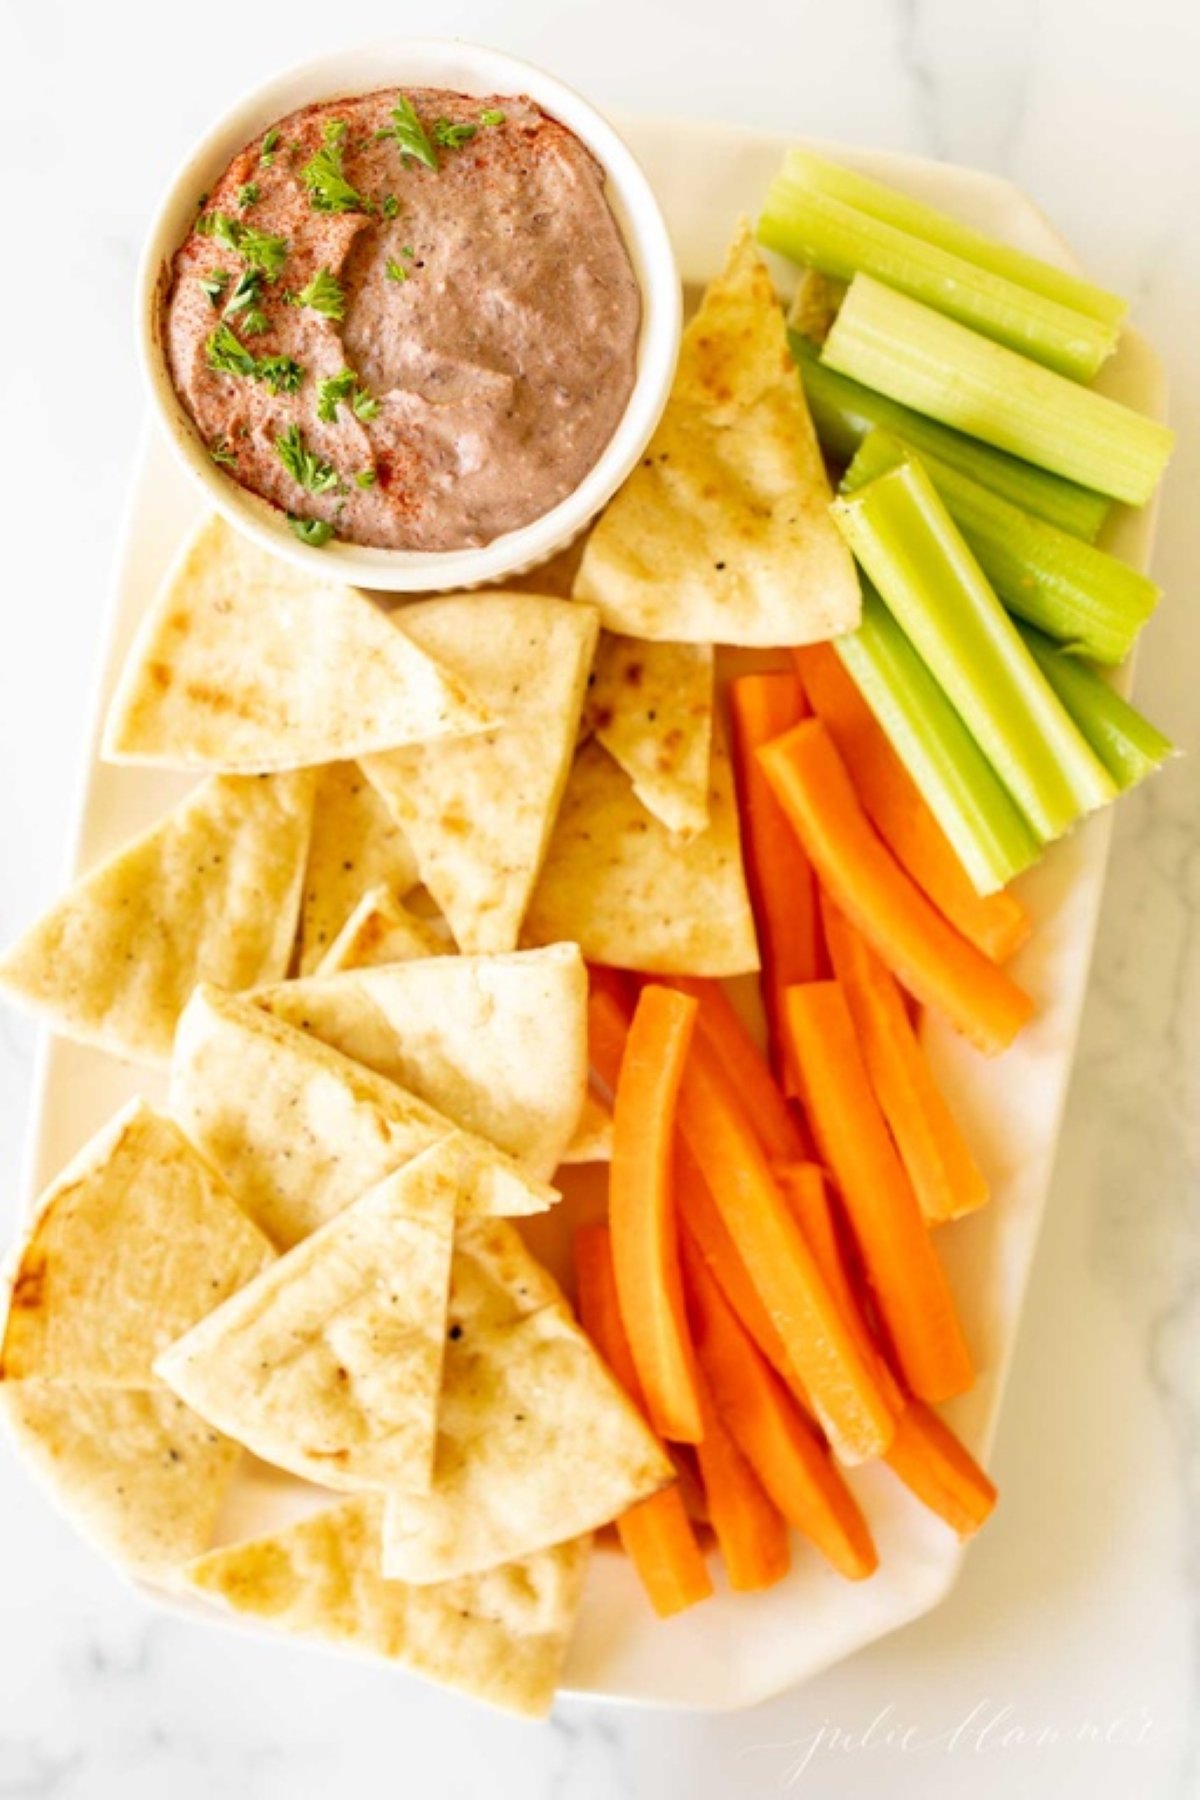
1078	1617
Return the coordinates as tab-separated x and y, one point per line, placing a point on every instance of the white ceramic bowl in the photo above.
468	68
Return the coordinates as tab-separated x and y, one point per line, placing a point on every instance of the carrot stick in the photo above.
902	1266
947	1179
656	1534
642	1210
936	1467
721	1026
836	1374
778	873
772	1433
619	984
750	1529
608	1029
997	924
933	960
700	1217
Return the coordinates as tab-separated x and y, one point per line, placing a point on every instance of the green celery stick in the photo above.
942	368
990	836
1128	745
910	547
816	229
1074	592
802	168
844	411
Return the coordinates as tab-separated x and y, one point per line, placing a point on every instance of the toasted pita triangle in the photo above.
633	896
210	893
380	930
651	706
329	1364
134	1469
496	1043
722	533
479	812
591	1141
136	1240
500	1636
535	1438
355	847
246	663
300	1131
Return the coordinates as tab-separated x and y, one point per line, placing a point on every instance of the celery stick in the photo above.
911	549
990	836
1128	745
814	305
801	168
825	233
940	367
1074	592
844	411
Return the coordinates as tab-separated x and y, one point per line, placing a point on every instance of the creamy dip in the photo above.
415	357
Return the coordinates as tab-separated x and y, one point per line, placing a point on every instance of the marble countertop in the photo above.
1065	1662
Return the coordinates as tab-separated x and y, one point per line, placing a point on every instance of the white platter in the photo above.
731	1652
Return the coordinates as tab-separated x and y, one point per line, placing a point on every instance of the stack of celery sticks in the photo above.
948	374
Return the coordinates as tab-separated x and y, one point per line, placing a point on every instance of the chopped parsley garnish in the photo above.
304	465
324	176
311	531
491	116
214	284
389	206
247	194
395	271
347	387
452	137
258	248
228	355
282	374
409	134
221	453
365	478
246	294
324	294
266	155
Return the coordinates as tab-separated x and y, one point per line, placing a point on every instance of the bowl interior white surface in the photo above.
734	1650
472	69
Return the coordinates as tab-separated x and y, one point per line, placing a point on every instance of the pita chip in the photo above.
722	533
355	847
632	895
498	1044
499	1636
299	1131
591	1140
479	811
329	1364
651	706
381	930
246	663
210	893
136	1240
535	1438
133	1469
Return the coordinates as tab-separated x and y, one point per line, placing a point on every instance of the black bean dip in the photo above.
411	356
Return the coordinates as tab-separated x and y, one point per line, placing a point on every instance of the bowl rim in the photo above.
420	61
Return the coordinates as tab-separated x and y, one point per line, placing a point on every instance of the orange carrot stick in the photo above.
936	1467
642	1210
772	1433
608	1030
619	984
750	1529
722	1027
778	873
997	924
656	1534
836	1374
933	960
947	1179
902	1266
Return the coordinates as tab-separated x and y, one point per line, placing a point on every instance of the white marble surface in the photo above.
1065	1663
